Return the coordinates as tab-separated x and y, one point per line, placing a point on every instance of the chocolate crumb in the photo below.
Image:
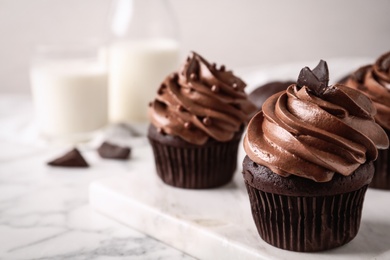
180	108
160	91
187	125
215	88
72	158
206	121
174	76
193	76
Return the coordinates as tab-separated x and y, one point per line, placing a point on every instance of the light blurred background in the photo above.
238	33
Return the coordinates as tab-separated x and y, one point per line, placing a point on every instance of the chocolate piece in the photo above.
72	158
316	80
112	151
261	93
292	126
322	72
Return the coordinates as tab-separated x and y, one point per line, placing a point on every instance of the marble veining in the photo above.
45	212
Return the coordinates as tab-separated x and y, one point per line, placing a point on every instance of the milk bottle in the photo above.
143	51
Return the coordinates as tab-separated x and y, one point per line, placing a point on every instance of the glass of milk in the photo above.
69	89
144	49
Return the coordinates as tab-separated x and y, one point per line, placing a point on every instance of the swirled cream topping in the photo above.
313	130
200	102
374	81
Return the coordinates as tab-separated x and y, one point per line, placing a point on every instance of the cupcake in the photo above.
309	162
197	121
261	93
374	81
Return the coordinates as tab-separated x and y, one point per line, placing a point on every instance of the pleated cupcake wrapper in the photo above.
306	224
381	178
196	167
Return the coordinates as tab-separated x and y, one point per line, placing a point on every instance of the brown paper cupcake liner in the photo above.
306	224
196	167
381	178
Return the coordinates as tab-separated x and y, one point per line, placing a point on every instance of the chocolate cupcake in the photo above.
309	162
374	82
197	120
261	93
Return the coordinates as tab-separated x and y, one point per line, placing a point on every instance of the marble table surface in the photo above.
44	211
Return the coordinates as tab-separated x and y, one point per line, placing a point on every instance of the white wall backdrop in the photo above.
238	33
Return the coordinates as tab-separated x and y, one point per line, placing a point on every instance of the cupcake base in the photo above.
184	165
295	214
306	224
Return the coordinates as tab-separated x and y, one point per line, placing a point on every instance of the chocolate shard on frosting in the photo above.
316	80
322	72
112	151
72	158
329	131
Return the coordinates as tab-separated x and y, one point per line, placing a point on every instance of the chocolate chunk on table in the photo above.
72	158
112	151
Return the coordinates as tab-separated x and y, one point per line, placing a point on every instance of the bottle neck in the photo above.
143	19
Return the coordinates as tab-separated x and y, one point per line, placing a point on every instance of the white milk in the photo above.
70	97
136	70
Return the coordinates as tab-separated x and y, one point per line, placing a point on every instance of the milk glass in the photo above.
144	49
69	89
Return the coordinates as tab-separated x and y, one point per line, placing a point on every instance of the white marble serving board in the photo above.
217	223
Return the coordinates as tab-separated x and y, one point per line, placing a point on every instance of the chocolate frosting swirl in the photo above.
201	102
313	130
374	81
